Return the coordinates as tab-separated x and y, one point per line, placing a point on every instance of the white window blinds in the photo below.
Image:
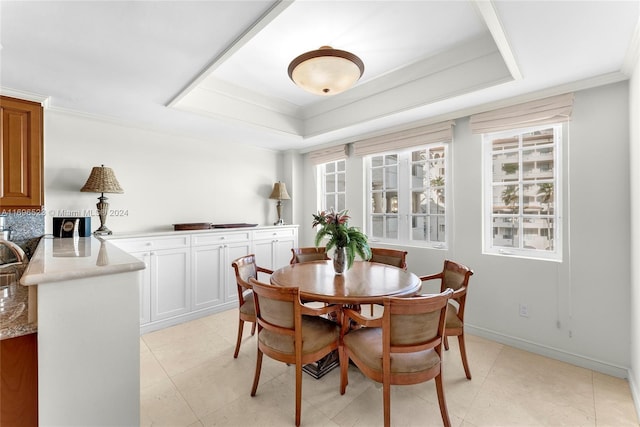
556	109
330	154
438	132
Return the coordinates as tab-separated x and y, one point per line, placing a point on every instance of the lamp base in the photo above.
279	222
102	231
103	212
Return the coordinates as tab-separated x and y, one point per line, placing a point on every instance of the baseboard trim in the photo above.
635	392
554	353
193	315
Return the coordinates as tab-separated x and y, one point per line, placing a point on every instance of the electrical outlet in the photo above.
524	310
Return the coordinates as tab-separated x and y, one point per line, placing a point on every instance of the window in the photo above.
332	178
522	192
407	193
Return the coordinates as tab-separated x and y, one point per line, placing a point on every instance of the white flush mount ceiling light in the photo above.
326	71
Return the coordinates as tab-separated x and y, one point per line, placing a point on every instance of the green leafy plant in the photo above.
335	227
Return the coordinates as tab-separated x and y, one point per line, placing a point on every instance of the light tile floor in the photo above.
190	378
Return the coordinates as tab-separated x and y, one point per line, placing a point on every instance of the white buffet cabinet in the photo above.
189	273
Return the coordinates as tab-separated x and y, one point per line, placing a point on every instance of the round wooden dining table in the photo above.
364	283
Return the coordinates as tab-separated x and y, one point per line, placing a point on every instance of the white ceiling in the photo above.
218	69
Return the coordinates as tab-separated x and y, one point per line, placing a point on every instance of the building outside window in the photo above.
407	190
522	192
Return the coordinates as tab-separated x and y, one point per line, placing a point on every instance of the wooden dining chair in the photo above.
394	257
402	347
307	254
291	332
245	268
455	276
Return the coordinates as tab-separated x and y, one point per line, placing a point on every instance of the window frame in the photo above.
322	173
404	192
488	185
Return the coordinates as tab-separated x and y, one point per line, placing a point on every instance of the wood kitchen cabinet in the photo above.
21	154
19	381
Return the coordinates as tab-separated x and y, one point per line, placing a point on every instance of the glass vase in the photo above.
340	260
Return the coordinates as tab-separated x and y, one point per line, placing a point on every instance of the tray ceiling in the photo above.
218	69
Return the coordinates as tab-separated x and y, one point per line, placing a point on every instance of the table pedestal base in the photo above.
320	368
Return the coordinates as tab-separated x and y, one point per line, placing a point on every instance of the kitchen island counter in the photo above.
60	259
88	332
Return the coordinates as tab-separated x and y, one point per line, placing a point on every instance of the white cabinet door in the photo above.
273	247
170	283
233	251
282	251
263	249
145	287
214	280
208	271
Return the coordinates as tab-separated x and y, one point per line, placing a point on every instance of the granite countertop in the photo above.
54	260
14	305
60	259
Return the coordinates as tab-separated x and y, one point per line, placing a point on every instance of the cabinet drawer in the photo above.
274	233
151	243
220	238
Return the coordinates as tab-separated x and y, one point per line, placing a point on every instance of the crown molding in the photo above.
601	80
44	100
632	56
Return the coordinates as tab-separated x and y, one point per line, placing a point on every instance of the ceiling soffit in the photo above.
473	65
470	65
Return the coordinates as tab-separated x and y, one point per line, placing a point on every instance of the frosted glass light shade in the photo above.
326	71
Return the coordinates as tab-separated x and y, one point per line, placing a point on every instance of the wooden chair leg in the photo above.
344	367
446	343
239	340
463	353
256	378
298	393
441	401
253	328
386	402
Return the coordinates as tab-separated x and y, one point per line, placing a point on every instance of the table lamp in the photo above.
102	180
279	193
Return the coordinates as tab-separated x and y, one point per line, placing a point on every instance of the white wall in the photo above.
579	309
166	178
634	119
